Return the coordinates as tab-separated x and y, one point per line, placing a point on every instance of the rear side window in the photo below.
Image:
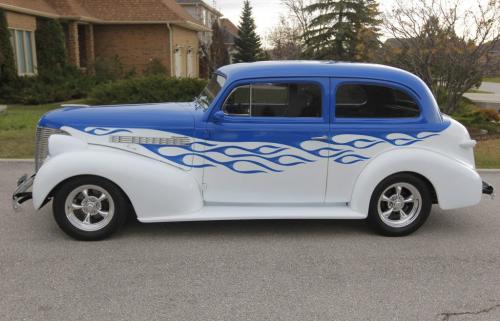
372	101
275	100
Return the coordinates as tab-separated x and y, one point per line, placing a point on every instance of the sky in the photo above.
266	12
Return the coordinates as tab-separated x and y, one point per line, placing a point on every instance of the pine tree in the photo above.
248	44
218	51
7	62
343	29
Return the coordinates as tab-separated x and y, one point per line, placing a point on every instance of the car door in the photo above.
265	141
369	117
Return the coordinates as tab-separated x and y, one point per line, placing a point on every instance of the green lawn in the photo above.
492	79
17	129
488	153
17	134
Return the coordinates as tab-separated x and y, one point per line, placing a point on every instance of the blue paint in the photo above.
186	119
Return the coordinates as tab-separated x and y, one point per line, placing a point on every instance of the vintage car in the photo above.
267	140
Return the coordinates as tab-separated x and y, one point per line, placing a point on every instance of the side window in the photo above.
238	102
275	100
372	101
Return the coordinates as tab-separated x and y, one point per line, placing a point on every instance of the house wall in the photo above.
183	39
136	45
20	21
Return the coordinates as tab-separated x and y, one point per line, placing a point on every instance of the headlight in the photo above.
42	143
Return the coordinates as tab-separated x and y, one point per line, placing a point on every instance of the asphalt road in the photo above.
253	270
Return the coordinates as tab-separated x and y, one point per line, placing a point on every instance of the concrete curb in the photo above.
16	160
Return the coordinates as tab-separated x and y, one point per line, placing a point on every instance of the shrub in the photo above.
7	63
50	47
67	84
110	69
155	67
148	89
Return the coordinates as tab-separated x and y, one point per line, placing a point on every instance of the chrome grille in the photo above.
42	143
174	140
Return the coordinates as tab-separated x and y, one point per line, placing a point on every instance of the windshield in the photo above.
208	94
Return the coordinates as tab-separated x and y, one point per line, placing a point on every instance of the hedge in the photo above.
148	89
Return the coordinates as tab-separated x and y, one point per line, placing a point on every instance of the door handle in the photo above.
324	137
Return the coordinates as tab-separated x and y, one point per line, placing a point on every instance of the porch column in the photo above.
89	47
72	42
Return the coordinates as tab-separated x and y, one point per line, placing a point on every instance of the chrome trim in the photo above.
89	208
21	193
42	143
75	105
173	140
399	205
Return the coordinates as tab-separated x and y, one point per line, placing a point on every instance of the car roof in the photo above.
313	68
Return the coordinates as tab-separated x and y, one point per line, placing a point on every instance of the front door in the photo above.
267	142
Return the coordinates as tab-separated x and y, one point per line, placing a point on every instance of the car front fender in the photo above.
456	183
154	188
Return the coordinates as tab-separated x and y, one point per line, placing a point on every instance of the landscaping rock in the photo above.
2	108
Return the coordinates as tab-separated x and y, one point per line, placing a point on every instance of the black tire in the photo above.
425	205
120	202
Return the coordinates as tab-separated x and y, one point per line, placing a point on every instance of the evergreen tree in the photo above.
218	51
50	47
343	29
248	44
7	62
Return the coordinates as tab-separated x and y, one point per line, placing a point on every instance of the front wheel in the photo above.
400	204
90	208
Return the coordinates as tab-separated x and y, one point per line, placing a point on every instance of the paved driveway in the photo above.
267	270
490	100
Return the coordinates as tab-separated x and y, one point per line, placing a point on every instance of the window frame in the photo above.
14	43
321	82
338	82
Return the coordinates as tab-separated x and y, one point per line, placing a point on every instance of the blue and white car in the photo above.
267	140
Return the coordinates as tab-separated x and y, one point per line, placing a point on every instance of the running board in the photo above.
250	212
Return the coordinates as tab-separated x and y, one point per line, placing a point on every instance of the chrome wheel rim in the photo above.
399	205
89	208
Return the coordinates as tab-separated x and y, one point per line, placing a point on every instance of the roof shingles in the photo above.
112	10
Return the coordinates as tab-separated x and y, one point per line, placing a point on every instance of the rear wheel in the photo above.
90	208
400	204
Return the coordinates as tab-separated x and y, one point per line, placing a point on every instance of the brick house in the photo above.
136	31
230	35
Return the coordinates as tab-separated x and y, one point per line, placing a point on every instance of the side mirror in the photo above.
219	116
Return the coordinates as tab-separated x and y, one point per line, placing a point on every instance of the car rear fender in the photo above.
456	183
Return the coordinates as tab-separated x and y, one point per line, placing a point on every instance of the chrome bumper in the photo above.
22	194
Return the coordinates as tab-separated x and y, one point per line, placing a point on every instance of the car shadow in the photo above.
247	228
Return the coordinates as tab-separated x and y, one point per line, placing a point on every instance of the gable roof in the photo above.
39	7
199	3
112	11
229	26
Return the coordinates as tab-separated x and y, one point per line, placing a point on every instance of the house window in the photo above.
189	61
23	44
178	62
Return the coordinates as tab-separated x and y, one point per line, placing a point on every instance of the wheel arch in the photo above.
152	187
439	171
427	182
58	186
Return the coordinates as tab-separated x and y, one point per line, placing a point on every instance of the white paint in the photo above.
161	190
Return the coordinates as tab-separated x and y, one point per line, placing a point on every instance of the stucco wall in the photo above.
136	45
20	21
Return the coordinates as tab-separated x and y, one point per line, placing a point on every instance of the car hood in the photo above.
165	116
